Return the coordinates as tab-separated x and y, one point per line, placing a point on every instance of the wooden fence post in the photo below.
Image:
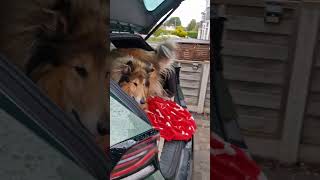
203	86
308	28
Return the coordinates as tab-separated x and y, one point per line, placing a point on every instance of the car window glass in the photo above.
152	4
25	155
124	123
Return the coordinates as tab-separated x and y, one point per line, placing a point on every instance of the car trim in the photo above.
119	149
146	159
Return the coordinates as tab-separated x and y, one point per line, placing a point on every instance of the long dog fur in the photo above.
160	60
45	37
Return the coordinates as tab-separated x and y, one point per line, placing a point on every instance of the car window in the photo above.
152	4
26	155
124	123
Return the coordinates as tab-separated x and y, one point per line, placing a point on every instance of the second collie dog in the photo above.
140	73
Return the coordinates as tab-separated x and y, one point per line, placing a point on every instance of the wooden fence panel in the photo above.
207	99
194	82
257	60
273	71
311	124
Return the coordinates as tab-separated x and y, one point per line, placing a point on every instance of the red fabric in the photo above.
171	120
231	163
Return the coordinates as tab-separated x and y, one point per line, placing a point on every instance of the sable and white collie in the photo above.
140	73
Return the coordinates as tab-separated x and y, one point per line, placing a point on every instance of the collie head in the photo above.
62	46
133	76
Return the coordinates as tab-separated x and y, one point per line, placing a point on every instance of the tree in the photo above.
173	21
180	32
197	26
192	26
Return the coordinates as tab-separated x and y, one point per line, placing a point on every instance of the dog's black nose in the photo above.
142	101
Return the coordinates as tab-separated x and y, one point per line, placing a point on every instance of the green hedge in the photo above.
178	32
192	34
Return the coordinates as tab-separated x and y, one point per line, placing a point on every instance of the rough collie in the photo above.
62	46
140	73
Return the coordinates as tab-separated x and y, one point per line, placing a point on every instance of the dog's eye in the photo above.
135	84
81	71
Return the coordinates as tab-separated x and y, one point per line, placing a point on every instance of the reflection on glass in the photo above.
124	123
152	4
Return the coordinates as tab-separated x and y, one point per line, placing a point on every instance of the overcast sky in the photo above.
188	10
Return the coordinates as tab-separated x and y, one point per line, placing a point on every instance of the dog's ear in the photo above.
127	68
56	21
124	69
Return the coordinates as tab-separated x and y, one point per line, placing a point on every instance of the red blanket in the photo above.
229	162
171	120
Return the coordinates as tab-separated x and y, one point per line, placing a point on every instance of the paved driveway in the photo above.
201	169
276	171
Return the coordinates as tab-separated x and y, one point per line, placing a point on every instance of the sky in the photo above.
188	10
